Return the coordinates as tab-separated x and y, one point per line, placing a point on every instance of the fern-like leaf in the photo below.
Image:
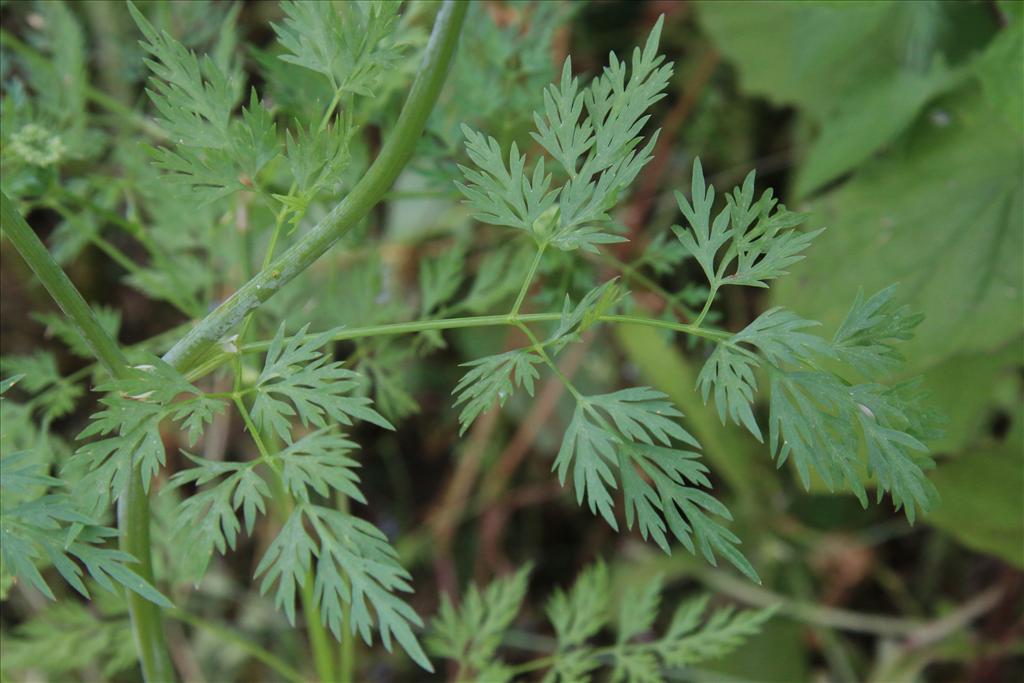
298	381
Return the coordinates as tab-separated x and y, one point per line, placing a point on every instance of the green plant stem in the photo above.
364	196
330	109
60	287
319	641
707	306
255	651
213	361
599	653
347	656
527	282
413	327
538	346
633	274
133	505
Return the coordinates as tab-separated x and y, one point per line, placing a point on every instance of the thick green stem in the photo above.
353	208
146	618
60	287
319	641
133	507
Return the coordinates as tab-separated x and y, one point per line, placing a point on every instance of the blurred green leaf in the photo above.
776	655
964	389
1001	71
944	217
880	113
860	99
981	498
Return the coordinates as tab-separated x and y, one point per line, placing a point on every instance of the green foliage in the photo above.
863	106
355	566
208	520
68	637
351	44
134	408
988	523
621	431
471	635
214	155
491	381
598	153
760	235
928	97
38	375
298	381
42	525
62	329
269	417
819	418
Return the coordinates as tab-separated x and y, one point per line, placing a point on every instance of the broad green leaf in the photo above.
875	116
944	217
1001	71
968	389
981	498
858	99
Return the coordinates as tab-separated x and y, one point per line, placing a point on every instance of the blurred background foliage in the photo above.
898	125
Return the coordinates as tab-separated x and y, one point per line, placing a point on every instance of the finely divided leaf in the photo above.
472	633
286	562
865	339
704	237
730	374
350	43
441	277
297	380
503	195
356	565
51	527
688	641
134	408
628	435
583	611
317	463
208	520
492	380
757	241
594	134
639	609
